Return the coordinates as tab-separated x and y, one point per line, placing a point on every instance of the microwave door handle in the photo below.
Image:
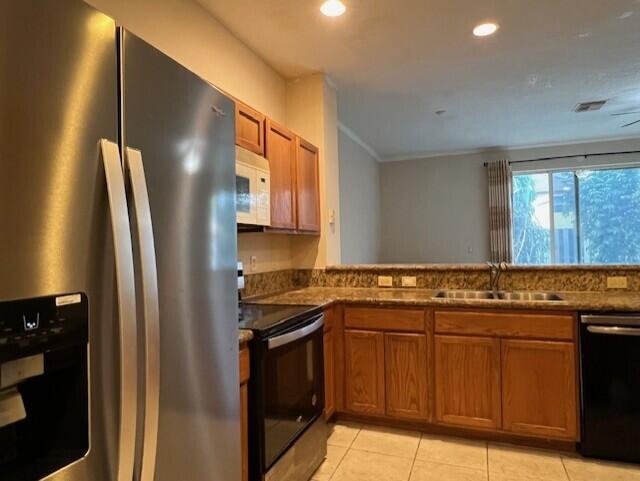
149	279
614	330
125	286
292	336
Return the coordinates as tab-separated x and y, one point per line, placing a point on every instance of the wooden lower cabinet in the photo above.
508	373
406	375
539	395
329	375
467	380
364	371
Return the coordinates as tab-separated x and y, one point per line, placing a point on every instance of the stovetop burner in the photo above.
267	318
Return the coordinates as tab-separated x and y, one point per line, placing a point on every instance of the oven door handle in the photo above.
292	336
615	330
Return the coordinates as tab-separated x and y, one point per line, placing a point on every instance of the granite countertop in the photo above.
573	301
480	267
244	336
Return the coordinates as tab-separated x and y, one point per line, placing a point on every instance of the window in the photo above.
577	217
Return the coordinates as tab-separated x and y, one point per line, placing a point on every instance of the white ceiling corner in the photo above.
353	136
395	63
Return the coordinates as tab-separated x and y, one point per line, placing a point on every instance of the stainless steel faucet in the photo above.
495	273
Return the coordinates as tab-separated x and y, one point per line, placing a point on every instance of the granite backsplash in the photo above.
431	276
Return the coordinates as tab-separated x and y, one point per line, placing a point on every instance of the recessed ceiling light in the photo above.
333	8
485	29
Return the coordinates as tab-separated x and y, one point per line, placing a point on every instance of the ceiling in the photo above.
396	62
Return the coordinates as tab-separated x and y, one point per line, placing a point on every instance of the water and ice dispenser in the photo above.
44	395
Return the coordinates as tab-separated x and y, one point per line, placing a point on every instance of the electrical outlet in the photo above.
385	281
619	282
408	281
253	261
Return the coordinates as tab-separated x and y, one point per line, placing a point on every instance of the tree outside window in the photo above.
568	217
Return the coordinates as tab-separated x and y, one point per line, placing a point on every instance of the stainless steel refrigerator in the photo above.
117	190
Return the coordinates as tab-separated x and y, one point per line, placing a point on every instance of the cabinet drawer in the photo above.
506	324
403	320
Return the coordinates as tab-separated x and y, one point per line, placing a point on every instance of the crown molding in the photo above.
431	155
353	136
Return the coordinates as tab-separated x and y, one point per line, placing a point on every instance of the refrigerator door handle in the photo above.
126	307
149	279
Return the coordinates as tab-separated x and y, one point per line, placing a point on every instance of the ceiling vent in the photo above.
590	106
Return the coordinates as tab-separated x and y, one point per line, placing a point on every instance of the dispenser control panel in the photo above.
41	324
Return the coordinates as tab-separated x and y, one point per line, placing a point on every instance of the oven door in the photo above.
293	386
245	194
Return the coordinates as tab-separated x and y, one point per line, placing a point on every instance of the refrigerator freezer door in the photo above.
58	72
186	133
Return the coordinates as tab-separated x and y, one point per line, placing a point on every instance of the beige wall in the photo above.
312	112
359	203
188	33
436	209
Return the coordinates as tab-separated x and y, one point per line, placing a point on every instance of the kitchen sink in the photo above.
527	296
460	294
499	295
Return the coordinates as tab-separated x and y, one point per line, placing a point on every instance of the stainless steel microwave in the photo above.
253	188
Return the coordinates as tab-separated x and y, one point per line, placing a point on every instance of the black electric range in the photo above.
286	390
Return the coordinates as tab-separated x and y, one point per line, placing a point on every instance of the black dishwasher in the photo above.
610	375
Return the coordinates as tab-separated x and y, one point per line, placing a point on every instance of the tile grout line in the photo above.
415	456
566	472
345	454
338	465
486	444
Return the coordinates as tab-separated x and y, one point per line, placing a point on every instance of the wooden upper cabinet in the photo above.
364	371
308	186
539	392
467	379
406	375
281	153
250	126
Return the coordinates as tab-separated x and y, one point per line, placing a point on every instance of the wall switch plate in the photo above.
253	261
618	282
409	281
385	281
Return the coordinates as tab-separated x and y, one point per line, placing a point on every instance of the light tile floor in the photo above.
370	453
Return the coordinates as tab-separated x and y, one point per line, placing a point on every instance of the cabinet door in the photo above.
539	388
308	187
364	371
249	128
281	153
406	375
468	381
329	383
